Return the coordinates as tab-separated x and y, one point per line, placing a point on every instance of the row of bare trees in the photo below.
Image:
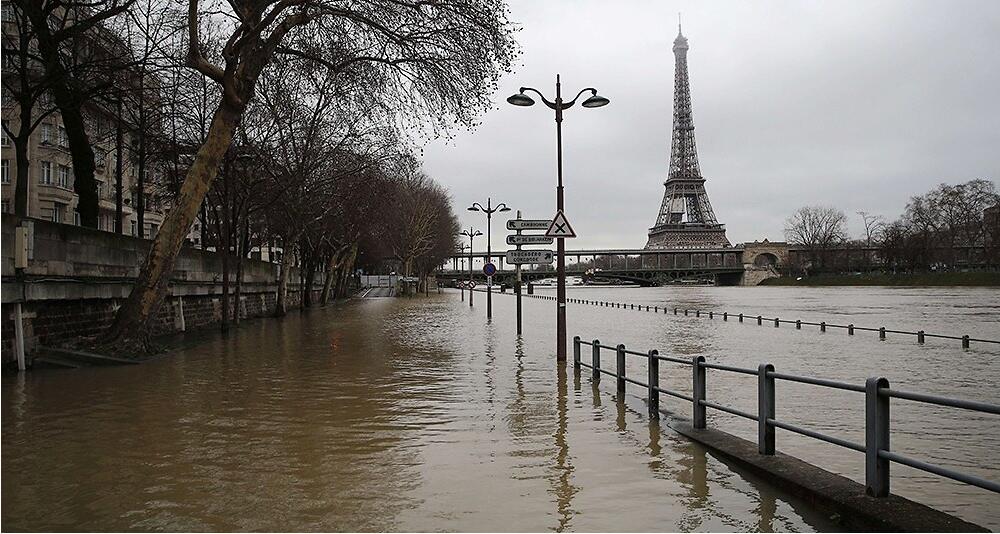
950	226
281	124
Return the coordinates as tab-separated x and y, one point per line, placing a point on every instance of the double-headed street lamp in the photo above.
593	101
489	210
471	234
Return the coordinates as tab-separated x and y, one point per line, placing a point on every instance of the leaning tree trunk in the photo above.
332	271
131	322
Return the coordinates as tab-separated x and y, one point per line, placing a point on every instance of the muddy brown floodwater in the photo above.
417	414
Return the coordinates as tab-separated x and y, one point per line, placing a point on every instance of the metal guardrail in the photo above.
877	397
711	314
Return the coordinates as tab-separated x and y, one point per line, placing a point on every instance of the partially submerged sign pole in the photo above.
517	284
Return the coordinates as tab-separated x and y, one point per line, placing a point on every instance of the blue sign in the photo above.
489	269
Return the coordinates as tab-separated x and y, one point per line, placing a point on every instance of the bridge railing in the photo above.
876	390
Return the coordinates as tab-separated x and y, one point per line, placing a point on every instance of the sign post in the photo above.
517	284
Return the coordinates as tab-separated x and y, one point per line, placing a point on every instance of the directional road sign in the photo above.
489	269
560	226
527	224
521	257
528	240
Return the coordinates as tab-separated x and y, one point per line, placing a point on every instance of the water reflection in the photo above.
562	486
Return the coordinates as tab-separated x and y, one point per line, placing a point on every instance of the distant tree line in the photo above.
286	126
949	227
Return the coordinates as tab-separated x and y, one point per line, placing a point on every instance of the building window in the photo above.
46	133
57	212
45	177
5	169
5	141
63	176
6	206
63	139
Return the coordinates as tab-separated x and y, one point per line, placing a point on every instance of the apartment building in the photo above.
50	169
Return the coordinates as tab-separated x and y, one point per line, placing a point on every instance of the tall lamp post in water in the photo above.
593	101
471	234
489	210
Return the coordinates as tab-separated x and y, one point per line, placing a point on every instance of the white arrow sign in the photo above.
521	257
527	224
528	240
560	227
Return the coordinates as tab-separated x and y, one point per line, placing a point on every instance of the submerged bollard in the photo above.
697	313
710	315
725	316
759	320
881	332
822	326
741	317
685	312
776	322
920	337
576	352
798	324
965	342
850	329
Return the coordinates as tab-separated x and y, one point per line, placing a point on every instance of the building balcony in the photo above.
55	193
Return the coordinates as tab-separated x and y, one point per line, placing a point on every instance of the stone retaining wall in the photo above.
76	278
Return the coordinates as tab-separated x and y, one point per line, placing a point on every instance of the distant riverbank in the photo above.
886	279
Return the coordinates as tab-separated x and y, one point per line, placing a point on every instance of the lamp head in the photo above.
520	99
505	208
595	101
473	208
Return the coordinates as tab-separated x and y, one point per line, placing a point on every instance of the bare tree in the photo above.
874	226
435	64
817	228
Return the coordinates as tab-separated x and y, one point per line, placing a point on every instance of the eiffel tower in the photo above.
686	218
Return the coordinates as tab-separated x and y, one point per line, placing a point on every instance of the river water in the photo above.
418	414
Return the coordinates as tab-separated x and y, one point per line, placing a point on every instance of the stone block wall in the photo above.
76	278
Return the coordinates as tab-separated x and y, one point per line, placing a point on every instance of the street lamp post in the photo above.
460	288
593	101
489	210
471	234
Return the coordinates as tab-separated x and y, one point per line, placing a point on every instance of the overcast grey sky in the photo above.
857	105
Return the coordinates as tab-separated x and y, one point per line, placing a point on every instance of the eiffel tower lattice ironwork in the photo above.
686	218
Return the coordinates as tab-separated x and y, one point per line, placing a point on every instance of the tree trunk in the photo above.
119	184
132	320
281	304
243	246
21	155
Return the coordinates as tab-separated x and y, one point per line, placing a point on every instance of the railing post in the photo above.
654	383
822	326
876	437
711	315
759	320
798	324
850	329
685	312
881	332
576	352
675	311
776	322
621	370
741	317
698	391
765	409
697	313
725	316
965	342
920	337
595	360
